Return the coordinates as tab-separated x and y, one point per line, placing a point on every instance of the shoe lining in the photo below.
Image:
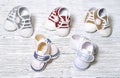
63	12
102	12
88	46
38	37
42	47
23	12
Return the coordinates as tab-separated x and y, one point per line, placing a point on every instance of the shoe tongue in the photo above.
41	49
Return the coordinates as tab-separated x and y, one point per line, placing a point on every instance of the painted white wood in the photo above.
16	52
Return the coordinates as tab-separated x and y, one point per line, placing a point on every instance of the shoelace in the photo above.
64	24
105	23
91	16
12	15
25	22
53	17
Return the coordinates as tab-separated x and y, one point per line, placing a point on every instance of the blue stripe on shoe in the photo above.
39	69
48	40
56	55
44	58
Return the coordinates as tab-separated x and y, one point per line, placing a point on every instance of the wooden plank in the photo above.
16	52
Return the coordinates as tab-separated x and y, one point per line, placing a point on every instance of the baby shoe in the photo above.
97	20
59	20
45	52
10	23
19	19
90	21
85	51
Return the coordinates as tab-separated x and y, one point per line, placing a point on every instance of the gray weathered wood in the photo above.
16	52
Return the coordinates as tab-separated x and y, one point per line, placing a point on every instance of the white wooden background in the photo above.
16	52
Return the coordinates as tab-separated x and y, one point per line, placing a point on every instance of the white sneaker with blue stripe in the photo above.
45	51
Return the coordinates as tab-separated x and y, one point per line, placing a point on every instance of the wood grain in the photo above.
16	52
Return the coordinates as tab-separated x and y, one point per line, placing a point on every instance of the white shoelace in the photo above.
105	23
55	18
90	16
25	23
12	15
63	23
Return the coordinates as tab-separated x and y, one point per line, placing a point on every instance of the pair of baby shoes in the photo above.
85	50
59	21
45	51
97	20
19	18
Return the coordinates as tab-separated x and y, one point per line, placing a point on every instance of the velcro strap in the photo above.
44	58
85	57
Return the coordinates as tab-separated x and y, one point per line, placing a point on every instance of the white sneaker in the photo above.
10	23
45	51
85	51
59	20
19	18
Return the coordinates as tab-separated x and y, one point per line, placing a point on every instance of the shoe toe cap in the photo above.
26	32
37	65
89	27
106	32
82	65
62	32
49	25
9	26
